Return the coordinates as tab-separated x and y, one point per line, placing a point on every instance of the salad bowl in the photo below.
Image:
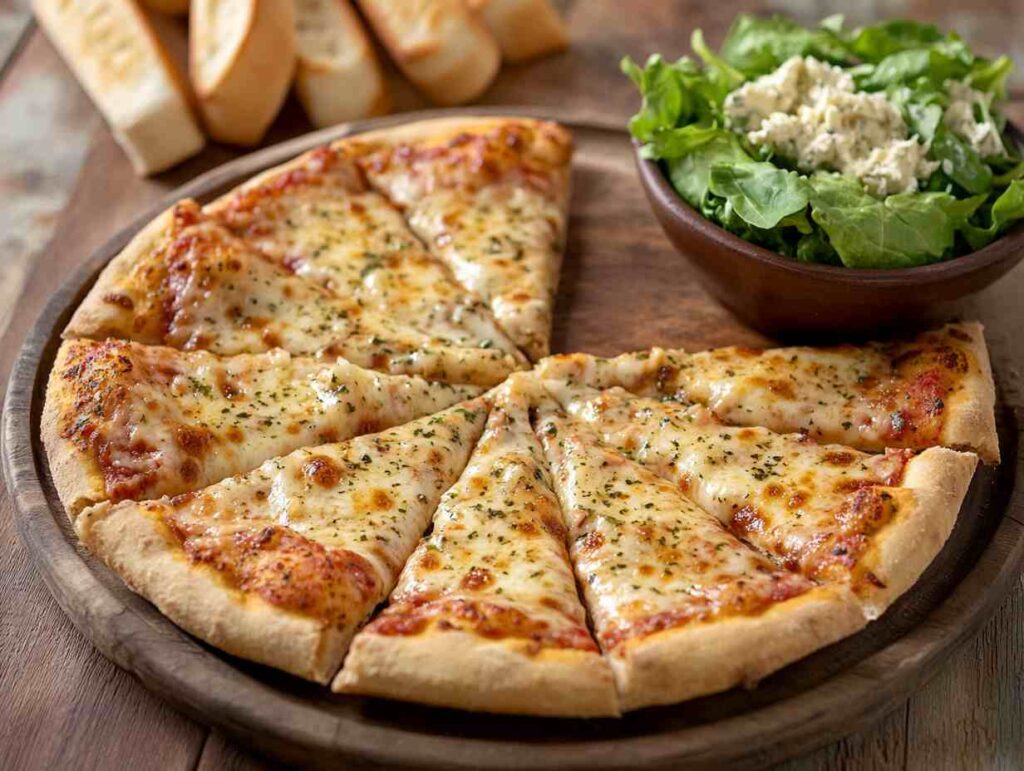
784	297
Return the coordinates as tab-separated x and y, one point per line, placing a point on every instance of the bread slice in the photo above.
242	58
440	45
113	51
174	7
337	77
525	29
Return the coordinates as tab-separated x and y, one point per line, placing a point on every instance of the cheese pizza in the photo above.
486	615
934	389
489	197
186	282
680	605
872	522
282	565
129	421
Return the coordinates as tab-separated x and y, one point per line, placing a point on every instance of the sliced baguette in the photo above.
113	51
242	58
525	29
174	7
337	77
440	45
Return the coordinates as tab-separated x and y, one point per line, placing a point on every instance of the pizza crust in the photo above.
75	474
972	425
699	659
139	548
488	676
938	480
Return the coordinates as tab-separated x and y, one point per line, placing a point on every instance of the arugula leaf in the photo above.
960	162
990	75
663	97
760	193
721	72
756	46
1007	209
899	231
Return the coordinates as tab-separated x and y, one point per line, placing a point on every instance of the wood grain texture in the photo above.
50	670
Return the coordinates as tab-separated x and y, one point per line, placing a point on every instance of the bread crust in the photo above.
239	103
75	474
440	45
333	91
971	425
139	548
524	29
938	480
173	7
461	670
699	659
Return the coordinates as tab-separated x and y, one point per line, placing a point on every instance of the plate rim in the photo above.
241	705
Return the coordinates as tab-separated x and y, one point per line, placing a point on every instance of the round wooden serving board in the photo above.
622	288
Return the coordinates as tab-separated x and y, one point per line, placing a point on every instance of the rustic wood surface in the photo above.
66	188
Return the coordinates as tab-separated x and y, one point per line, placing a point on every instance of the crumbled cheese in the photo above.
969	116
811	113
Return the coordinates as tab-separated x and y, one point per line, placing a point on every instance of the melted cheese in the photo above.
160	421
646	557
814	507
317	217
497	545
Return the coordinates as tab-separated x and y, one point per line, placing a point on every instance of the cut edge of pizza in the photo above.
316	215
935	389
486	614
186	281
282	565
838	515
122	420
489	196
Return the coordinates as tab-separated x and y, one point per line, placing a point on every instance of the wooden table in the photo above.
66	187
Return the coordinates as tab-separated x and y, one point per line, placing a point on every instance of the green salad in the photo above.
876	147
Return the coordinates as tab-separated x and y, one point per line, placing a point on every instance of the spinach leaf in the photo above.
677	142
1007	209
724	75
874	43
663	99
761	194
756	46
990	75
960	162
690	175
899	231
945	60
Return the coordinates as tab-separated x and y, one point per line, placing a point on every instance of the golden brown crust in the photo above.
75	474
698	659
139	547
971	424
462	670
525	29
938	479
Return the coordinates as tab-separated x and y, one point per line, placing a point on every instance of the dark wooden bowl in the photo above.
786	298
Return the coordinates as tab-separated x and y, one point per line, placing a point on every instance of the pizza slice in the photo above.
130	421
680	605
486	615
933	389
489	196
317	216
186	282
282	565
837	515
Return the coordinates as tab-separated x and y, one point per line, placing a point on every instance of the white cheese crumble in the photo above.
969	116
811	113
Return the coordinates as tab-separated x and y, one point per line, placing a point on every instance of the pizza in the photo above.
490	198
317	216
130	421
693	609
486	615
189	283
282	564
933	389
315	423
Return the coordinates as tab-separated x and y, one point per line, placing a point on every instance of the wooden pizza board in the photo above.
622	288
